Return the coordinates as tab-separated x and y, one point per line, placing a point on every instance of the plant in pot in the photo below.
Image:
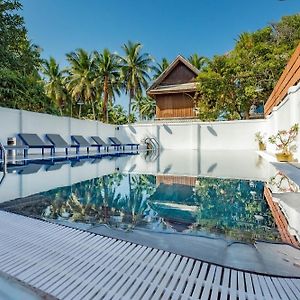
284	140
260	138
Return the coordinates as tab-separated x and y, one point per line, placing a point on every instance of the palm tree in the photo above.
107	68
197	61
148	108
81	77
145	106
54	86
135	68
160	67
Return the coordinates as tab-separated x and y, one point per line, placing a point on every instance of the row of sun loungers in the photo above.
55	141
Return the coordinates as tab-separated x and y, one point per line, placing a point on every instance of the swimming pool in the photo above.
128	199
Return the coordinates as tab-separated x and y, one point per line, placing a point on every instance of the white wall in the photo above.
285	115
14	121
225	135
228	135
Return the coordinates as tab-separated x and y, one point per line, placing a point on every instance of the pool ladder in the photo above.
154	144
154	147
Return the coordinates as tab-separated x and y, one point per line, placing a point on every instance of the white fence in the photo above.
226	135
286	114
14	121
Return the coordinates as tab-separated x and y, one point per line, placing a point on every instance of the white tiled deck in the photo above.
72	264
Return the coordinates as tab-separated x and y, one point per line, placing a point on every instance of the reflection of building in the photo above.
173	201
174	90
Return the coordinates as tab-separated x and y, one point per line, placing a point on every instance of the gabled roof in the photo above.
170	68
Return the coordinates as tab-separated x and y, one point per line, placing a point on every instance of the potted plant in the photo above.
284	140
261	141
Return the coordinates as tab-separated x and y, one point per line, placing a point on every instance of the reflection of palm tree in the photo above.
140	188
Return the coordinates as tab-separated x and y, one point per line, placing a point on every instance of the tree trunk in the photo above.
93	108
105	99
129	105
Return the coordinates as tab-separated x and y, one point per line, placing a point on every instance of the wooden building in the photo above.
174	90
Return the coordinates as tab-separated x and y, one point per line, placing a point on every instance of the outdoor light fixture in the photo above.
80	102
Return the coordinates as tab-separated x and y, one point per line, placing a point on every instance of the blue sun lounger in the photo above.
101	143
58	142
116	142
82	142
32	140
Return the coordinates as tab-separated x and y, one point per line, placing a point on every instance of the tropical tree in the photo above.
229	84
160	67
197	61
20	82
144	106
135	68
54	86
80	81
107	72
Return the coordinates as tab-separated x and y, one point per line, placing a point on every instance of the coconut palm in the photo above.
135	68
160	67
107	69
144	106
148	108
197	61
54	86
81	77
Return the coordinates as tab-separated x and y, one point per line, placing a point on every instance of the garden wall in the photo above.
286	114
225	135
14	121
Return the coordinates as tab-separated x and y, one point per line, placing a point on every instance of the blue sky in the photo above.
166	28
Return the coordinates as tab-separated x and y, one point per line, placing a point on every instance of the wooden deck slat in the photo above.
72	264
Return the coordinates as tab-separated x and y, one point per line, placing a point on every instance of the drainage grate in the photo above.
71	264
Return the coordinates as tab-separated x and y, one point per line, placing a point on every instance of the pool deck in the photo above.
68	263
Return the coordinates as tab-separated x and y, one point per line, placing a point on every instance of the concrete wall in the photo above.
14	121
227	135
286	114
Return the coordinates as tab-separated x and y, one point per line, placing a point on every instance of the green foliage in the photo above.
135	70
231	83
228	84
20	85
107	77
144	106
198	61
160	67
54	86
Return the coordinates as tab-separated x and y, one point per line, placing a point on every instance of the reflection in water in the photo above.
228	208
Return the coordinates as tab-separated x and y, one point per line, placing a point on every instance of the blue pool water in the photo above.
233	209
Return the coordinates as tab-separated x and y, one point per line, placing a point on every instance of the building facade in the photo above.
174	91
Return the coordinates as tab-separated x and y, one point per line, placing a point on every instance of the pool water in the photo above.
232	209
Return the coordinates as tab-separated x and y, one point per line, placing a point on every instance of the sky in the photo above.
166	28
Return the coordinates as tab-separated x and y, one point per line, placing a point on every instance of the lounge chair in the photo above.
32	140
101	143
82	142
59	142
116	142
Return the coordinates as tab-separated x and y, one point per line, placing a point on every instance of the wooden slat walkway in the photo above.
72	264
